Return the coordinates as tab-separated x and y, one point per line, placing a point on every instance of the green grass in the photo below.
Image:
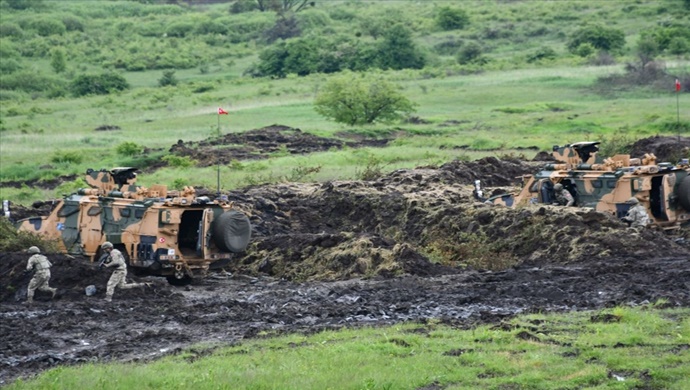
646	348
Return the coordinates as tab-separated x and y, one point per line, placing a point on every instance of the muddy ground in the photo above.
409	246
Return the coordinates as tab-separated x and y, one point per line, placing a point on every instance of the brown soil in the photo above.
412	245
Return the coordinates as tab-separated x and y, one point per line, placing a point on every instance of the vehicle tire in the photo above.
172	280
231	231
684	193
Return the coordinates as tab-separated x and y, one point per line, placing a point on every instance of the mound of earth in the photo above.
262	143
666	149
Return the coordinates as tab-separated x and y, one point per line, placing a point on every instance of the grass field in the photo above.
619	348
492	113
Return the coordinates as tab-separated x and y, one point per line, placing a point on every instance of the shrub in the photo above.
10	30
168	78
16	241
29	81
360	99
179	161
69	157
9	66
452	19
46	27
542	54
398	50
601	38
241	6
180	29
98	84
24	4
128	149
470	53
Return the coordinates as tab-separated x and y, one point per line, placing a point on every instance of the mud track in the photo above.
221	310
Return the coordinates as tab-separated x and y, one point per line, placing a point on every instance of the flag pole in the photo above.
218	157
678	107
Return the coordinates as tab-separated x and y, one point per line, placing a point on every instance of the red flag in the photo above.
677	85
222	112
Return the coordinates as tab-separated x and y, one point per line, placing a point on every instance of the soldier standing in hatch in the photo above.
637	215
563	196
41	265
117	279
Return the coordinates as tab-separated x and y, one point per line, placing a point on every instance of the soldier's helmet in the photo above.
33	250
633	200
558	186
107	245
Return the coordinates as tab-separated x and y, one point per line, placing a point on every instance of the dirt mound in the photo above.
666	149
262	143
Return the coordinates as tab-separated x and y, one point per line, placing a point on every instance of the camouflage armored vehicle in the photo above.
175	234
605	184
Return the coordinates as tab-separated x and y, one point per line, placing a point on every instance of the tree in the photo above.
98	84
57	60
398	50
356	99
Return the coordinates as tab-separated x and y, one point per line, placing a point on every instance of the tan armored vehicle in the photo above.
175	234
605	184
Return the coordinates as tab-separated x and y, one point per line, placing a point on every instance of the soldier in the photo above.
563	196
637	216
117	279
41	265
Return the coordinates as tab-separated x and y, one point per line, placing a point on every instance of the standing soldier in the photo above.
41	265
117	279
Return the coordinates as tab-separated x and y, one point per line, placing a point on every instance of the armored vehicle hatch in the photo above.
175	234
605	184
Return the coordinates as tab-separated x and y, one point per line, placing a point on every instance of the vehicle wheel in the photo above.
179	282
232	231
684	193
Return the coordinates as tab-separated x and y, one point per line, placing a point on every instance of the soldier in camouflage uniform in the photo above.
563	196
117	279
41	265
637	215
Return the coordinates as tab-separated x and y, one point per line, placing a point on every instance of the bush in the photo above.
100	84
542	54
168	78
10	30
24	4
29	81
601	38
398	50
9	66
452	19
69	157
15	241
470	53
179	161
128	149
180	29
361	99
46	27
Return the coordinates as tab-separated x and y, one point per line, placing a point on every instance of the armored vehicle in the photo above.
160	232
605	184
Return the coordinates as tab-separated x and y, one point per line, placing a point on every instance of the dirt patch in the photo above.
263	143
666	149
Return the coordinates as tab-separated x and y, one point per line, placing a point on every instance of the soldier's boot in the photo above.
108	298
54	292
29	301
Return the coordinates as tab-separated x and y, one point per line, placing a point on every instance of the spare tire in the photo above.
684	193
231	231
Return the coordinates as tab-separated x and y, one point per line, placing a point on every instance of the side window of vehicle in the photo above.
125	213
94	211
611	184
597	183
68	210
139	213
